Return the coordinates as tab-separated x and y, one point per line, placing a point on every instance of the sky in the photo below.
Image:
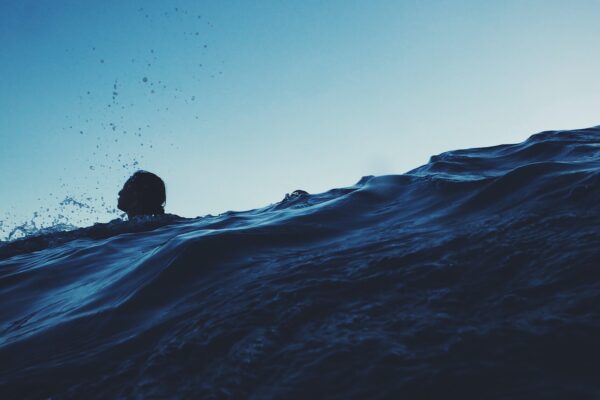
236	103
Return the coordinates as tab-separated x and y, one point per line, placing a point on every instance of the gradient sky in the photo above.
235	103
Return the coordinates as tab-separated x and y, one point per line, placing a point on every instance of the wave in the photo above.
475	275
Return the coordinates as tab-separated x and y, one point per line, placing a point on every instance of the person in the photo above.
143	194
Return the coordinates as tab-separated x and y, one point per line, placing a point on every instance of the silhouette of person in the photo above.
143	194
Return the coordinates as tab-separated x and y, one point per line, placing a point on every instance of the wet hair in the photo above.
144	193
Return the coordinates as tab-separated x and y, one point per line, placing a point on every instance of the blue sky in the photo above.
235	103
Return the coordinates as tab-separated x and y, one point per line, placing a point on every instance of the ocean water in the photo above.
476	276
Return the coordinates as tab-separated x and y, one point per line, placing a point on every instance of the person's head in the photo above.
143	194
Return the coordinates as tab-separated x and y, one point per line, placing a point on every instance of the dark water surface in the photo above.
474	276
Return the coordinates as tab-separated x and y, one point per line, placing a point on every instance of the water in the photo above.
474	276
